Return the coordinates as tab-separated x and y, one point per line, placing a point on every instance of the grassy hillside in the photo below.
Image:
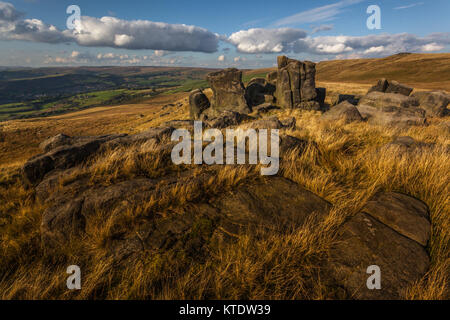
422	71
427	71
28	93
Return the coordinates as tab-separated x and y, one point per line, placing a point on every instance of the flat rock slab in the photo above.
390	232
404	214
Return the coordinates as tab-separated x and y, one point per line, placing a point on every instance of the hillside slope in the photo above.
422	71
427	71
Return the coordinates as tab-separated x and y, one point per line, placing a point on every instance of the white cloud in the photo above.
409	6
221	58
161	53
378	49
372	45
430	47
32	30
143	34
265	40
109	32
8	12
324	13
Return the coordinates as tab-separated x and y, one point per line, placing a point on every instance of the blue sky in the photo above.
245	34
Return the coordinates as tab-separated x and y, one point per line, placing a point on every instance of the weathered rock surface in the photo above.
435	103
350	98
344	111
260	203
321	95
266	123
259	91
228	91
380	99
198	102
54	142
69	209
227	119
391	109
296	84
381	235
393	116
65	152
264	108
391	86
254	204
404	214
62	157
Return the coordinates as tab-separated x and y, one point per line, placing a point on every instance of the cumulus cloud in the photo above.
221	58
265	40
32	30
143	34
8	12
109	32
372	45
294	40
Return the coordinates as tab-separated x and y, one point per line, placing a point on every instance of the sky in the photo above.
218	34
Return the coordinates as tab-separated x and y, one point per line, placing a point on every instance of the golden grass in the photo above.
346	166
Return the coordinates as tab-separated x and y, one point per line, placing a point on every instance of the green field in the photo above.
50	91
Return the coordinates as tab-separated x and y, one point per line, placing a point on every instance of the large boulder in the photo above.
433	102
390	232
391	109
391	86
393	116
259	91
344	111
404	214
66	152
55	141
198	102
351	98
296	84
380	100
321	95
226	119
259	204
266	123
228	91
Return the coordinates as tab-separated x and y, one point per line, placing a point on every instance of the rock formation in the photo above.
198	102
343	111
259	91
433	102
391	109
390	232
228	91
391	86
296	84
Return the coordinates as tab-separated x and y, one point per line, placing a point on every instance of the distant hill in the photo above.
425	71
428	71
